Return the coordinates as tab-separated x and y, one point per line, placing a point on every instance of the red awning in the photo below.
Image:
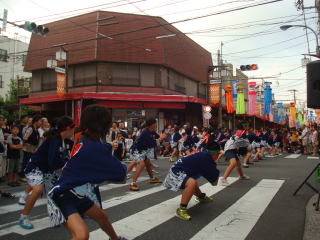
113	99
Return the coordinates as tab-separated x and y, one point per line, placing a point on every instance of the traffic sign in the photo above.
207	115
207	109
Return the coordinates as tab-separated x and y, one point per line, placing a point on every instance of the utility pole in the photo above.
220	64
294	95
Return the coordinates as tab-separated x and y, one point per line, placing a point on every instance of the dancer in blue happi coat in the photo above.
184	173
41	169
91	163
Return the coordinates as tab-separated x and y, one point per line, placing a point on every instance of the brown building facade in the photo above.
122	61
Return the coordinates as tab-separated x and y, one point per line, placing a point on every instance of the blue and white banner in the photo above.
234	89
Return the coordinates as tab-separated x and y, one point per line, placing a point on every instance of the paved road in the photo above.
260	208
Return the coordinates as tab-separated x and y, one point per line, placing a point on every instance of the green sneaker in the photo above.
183	214
205	199
171	159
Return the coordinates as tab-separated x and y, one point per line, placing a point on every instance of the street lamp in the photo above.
285	27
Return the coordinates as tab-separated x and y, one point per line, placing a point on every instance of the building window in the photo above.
49	80
176	82
1	82
85	74
4	55
125	74
202	91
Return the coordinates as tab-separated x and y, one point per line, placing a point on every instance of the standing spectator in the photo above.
122	130
315	141
304	137
23	122
3	161
31	140
119	148
114	130
29	123
45	127
13	155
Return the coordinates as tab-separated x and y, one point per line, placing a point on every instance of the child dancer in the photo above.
237	144
91	163
51	156
184	173
143	151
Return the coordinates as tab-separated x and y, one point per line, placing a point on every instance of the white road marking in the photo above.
237	221
312	157
293	156
143	221
16	207
43	223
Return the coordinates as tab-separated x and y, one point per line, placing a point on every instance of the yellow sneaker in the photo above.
183	214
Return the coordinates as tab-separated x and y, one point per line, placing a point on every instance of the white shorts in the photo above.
143	155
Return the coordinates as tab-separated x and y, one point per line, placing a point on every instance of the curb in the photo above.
312	220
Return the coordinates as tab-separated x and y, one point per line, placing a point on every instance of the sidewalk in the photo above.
312	222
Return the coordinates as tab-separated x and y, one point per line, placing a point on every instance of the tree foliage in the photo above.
10	107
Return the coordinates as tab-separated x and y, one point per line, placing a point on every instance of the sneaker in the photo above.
171	159
255	160
7	195
205	199
133	187
122	238
155	180
245	165
223	182
244	177
183	214
25	223
22	199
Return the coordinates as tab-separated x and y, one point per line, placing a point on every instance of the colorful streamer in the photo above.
252	98
228	94
241	107
293	113
267	97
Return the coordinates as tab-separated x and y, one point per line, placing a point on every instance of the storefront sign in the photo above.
214	94
61	82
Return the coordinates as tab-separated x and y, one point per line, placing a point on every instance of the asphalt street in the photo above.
262	208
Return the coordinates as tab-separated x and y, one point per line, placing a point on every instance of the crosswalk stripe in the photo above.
16	207
237	221
293	156
143	221
43	223
312	157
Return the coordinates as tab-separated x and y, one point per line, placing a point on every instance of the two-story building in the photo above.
138	66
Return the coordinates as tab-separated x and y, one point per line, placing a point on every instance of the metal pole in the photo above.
220	88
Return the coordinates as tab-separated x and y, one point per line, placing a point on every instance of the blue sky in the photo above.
249	36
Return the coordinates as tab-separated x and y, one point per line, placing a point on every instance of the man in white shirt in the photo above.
304	137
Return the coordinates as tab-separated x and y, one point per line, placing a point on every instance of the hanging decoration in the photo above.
252	97
281	113
241	108
214	94
267	97
234	89
300	119
291	123
228	94
293	113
